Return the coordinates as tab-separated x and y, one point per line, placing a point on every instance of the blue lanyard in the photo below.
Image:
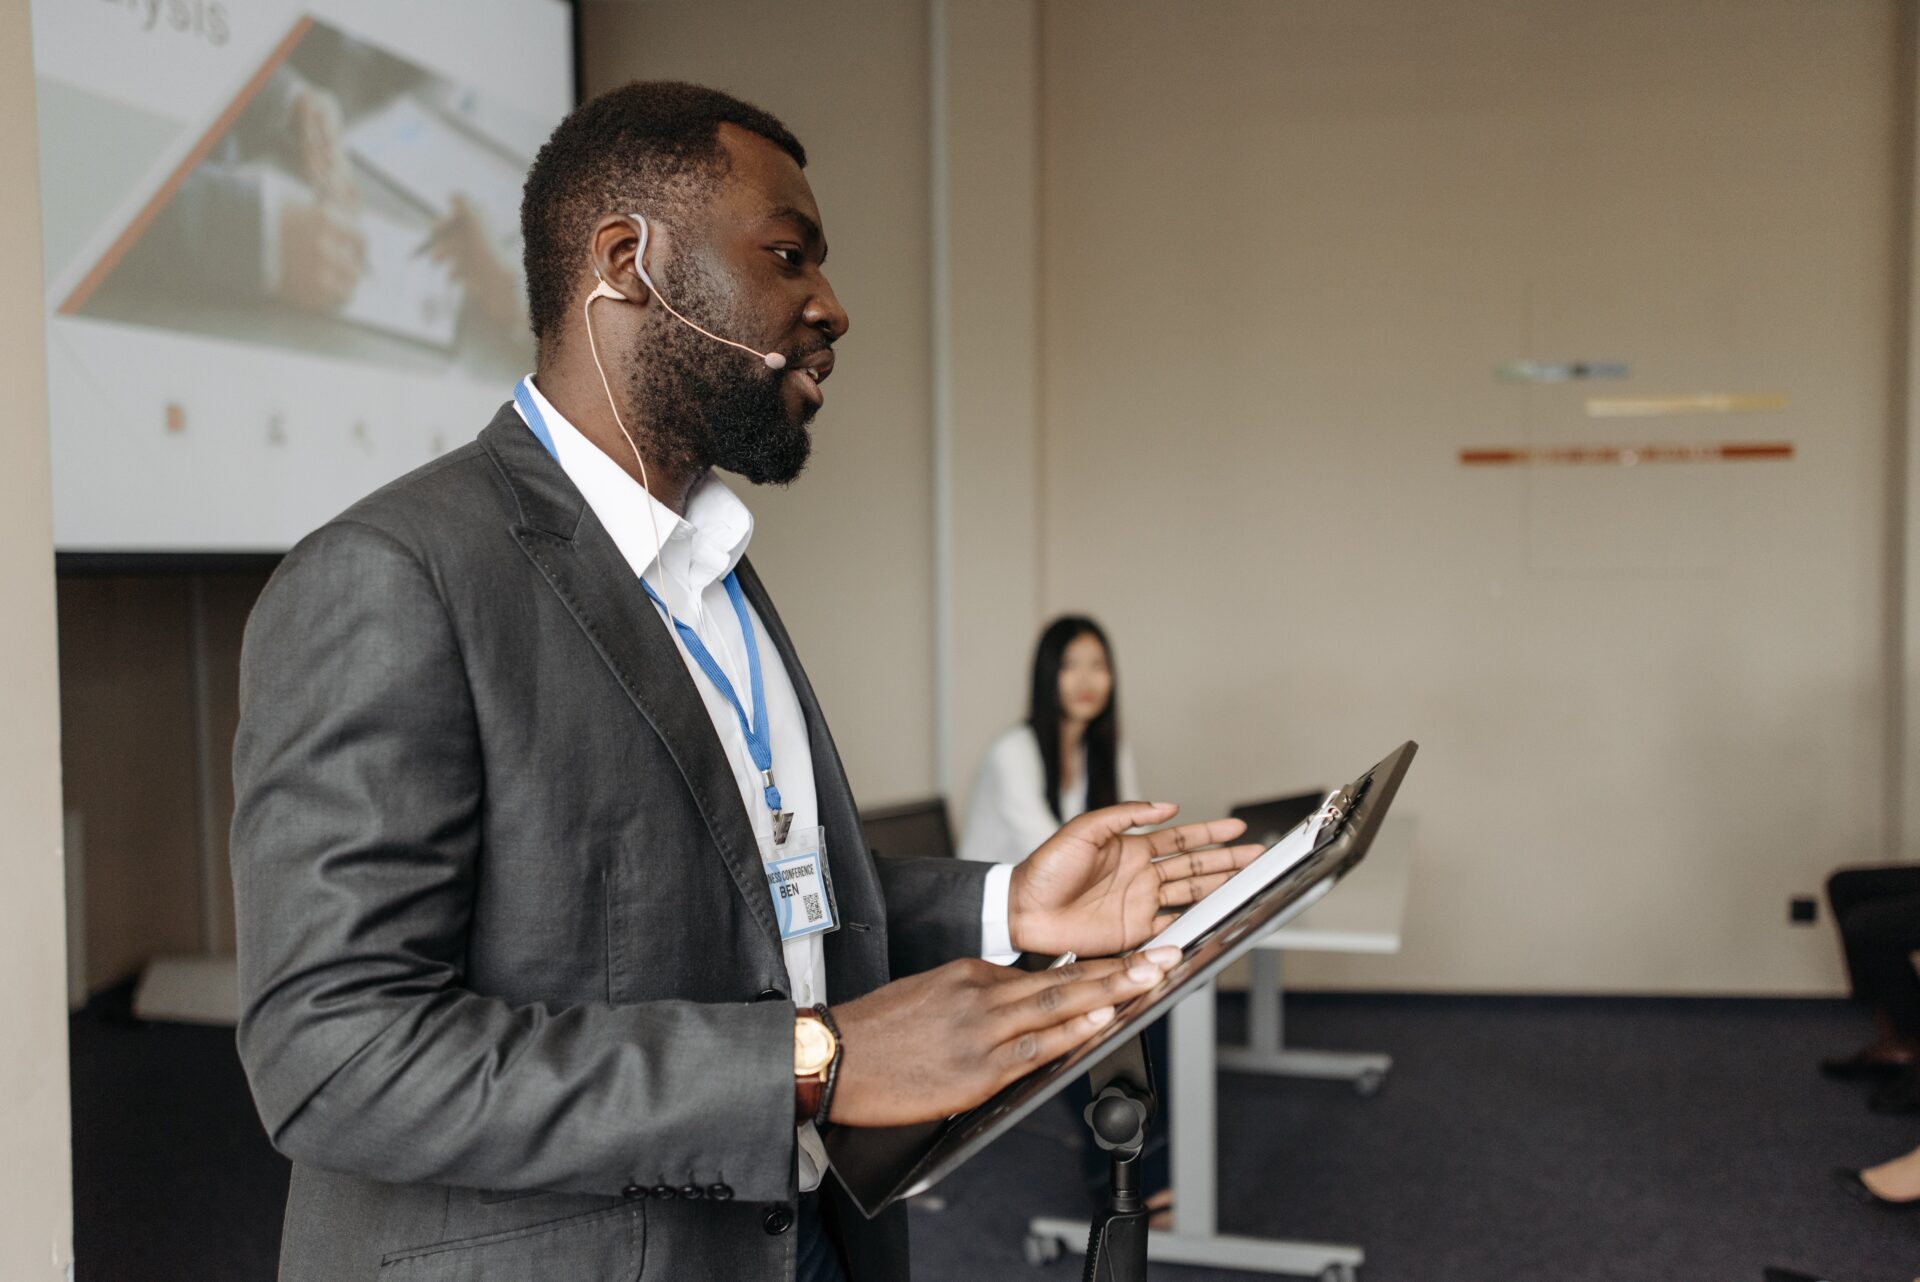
523	397
760	740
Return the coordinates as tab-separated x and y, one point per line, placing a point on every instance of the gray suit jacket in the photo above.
513	997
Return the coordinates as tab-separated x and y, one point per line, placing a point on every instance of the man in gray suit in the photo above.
559	943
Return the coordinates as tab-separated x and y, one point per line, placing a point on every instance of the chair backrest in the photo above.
911	828
1269	821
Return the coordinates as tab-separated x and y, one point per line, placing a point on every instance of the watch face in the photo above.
812	1047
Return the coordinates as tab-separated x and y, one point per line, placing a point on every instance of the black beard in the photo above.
710	405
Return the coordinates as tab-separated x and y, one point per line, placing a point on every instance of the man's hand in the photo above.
462	242
1096	889
318	136
322	256
935	1044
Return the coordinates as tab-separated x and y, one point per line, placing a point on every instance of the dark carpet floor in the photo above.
1530	1140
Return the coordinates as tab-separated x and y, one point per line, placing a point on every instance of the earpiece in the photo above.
772	360
601	289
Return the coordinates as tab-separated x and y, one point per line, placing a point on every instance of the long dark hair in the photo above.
1043	714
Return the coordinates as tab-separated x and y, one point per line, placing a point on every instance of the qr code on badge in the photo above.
813	908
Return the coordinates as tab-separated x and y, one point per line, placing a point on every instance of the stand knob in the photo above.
1118	1122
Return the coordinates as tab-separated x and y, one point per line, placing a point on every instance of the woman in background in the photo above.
1893	1185
1878	912
1065	760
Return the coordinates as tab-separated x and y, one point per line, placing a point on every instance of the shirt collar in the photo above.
697	550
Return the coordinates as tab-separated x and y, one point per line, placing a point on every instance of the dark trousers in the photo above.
1878	912
819	1255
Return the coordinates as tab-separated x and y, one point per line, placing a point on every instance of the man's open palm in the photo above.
1095	889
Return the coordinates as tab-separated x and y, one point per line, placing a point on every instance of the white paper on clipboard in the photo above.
1278	859
400	291
431	159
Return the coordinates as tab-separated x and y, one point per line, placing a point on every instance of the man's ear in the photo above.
613	249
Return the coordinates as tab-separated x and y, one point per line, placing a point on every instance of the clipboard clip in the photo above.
1332	814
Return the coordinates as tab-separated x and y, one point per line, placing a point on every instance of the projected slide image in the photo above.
345	202
282	251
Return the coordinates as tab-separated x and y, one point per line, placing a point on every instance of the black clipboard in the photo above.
880	1166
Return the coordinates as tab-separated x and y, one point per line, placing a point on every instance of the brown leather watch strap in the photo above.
806	1097
815	1050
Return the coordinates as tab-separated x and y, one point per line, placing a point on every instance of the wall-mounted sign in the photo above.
1558	371
1698	403
1625	456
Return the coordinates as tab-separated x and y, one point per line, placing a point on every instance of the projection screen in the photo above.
282	251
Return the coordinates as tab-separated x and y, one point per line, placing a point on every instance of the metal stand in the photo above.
1195	1237
1266	1050
1118	1116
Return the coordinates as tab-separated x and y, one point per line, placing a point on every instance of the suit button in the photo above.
633	1192
692	1192
720	1192
664	1192
778	1220
771	995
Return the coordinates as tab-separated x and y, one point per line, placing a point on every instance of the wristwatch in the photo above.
816	1054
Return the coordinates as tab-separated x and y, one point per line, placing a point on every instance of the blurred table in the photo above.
1362	914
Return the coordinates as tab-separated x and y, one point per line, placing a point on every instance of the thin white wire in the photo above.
695	615
772	360
765	358
659	559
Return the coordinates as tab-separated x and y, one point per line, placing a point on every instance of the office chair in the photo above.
910	828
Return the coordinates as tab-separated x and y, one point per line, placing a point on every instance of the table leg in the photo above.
1266	1050
1264	1013
1193	1113
1195	1237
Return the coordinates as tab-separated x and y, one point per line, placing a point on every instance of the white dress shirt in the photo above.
689	571
1008	817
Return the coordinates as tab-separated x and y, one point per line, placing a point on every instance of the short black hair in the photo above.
654	146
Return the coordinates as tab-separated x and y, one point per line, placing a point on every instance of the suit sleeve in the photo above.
357	849
933	910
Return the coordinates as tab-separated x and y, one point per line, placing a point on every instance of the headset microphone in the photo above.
772	360
601	289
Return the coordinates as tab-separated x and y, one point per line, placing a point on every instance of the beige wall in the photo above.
1652	701
987	358
847	551
36	1205
1216	295
1174	312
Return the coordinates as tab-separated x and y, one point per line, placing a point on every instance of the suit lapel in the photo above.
573	552
856	954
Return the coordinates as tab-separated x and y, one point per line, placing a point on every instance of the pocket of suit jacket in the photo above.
607	1243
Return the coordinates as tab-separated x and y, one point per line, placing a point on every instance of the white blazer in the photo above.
1008	817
